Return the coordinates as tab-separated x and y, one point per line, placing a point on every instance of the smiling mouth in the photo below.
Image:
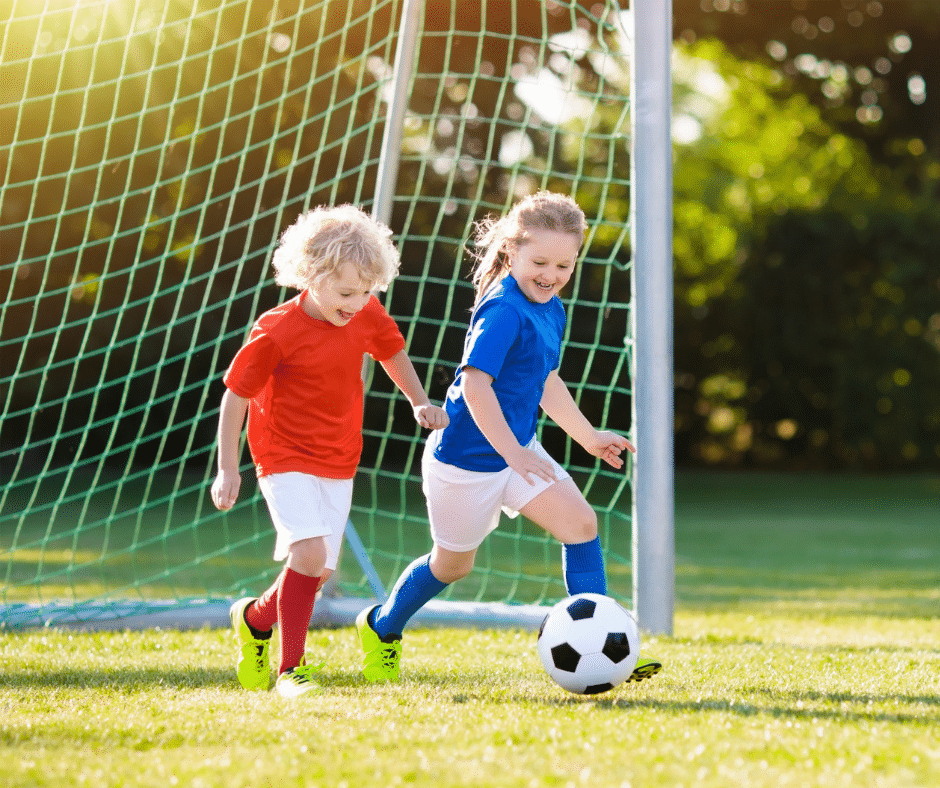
541	286
346	315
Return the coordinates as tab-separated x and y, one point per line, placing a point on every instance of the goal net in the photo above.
151	153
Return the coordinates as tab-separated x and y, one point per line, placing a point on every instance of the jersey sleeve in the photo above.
253	365
385	339
561	319
494	329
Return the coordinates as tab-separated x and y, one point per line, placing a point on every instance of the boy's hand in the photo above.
431	416
609	446
225	489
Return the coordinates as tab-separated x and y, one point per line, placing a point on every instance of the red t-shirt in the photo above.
303	379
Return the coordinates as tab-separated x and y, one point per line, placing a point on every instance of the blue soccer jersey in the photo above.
518	343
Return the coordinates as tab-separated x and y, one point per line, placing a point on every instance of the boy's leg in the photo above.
253	666
295	599
261	615
309	515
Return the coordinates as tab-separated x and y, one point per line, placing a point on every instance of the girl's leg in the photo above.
423	580
380	627
562	510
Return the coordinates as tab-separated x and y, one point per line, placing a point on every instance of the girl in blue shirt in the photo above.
488	459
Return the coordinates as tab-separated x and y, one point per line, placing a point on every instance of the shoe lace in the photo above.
256	651
390	654
261	650
305	673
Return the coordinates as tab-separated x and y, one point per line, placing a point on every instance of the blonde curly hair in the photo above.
323	239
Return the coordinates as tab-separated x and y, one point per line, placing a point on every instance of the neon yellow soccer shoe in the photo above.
645	668
380	658
294	682
253	665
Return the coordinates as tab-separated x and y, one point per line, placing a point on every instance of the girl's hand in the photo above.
609	446
527	464
431	417
225	489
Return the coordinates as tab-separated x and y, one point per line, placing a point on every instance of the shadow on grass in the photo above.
805	706
783	711
122	678
826	649
480	687
868	699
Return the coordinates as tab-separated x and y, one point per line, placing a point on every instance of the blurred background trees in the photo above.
807	223
807	233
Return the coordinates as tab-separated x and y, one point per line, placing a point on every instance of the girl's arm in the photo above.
558	403
488	415
402	372
228	480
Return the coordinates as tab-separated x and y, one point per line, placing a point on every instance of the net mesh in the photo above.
152	152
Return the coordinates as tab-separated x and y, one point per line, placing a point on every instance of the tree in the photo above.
804	290
870	66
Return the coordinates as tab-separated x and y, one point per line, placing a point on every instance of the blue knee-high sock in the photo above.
416	586
583	567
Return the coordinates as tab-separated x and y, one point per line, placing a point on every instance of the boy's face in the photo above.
543	264
339	297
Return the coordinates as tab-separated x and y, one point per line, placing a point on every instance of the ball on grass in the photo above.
589	643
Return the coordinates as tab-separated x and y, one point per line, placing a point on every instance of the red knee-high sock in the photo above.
295	600
262	613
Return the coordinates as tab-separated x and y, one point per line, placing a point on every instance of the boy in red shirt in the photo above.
299	379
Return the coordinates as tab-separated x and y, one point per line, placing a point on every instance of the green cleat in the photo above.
253	667
645	668
294	682
380	658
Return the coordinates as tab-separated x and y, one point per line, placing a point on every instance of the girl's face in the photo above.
339	297
543	264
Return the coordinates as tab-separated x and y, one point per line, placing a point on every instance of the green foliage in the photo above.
843	340
864	63
160	148
805	294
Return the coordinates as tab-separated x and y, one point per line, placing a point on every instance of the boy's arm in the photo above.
558	403
402	372
228	480
486	411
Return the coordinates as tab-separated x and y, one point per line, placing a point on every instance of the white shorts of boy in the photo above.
464	506
303	506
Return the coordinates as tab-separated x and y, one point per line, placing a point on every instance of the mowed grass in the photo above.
806	653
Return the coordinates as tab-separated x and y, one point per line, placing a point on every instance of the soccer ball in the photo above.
589	644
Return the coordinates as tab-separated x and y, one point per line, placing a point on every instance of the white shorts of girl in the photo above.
464	506
303	506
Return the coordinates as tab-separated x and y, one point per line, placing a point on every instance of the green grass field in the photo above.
806	653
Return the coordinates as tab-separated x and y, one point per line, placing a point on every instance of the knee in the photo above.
583	528
451	574
308	556
452	568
